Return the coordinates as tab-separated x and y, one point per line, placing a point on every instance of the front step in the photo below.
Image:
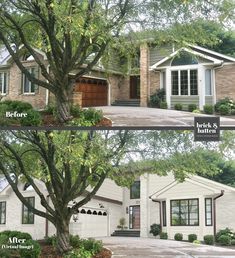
129	103
126	233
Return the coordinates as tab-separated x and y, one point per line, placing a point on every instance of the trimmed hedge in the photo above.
163	235
178	237
192	238
209	239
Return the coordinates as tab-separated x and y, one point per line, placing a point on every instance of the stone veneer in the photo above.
154	81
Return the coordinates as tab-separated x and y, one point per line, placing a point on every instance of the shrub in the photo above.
75	110
157	98
163	235
122	223
197	242
155	229
225	101
33	118
224	110
197	111
209	239
51	240
4	252
18	234
78	253
192	107
178	106
50	109
16	105
34	252
3	120
208	109
226	232
92	245
192	237
224	240
75	241
178	237
92	115
233	242
232	112
163	105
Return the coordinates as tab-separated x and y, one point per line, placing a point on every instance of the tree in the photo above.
74	35
74	164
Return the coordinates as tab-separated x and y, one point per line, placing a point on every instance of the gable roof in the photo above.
212	56
196	180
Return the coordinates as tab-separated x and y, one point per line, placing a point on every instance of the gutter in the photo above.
160	210
214	210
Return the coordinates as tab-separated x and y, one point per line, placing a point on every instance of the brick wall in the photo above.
225	82
154	82
37	99
119	88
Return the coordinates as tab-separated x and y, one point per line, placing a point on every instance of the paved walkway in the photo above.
142	116
130	247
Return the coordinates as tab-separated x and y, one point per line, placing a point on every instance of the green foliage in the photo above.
192	107
224	240
178	236
18	234
33	118
155	229
122	223
4	253
192	238
92	245
197	242
157	98
16	105
79	253
208	109
76	110
75	241
197	111
50	109
209	239
233	242
163	235
224	110
163	105
51	240
33	252
178	106
224	232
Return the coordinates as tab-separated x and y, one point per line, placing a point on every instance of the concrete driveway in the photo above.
129	247
143	116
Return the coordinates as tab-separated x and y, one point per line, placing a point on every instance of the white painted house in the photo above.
197	205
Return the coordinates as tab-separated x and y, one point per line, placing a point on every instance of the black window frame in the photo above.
185	225
211	212
25	209
131	193
5	204
164	214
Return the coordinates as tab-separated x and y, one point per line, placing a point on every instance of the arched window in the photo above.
83	211
184	58
100	213
88	212
104	214
94	212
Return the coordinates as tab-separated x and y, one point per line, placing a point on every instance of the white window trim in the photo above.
188	68
7	82
30	83
212	81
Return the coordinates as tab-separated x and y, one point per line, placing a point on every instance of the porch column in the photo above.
201	86
144	75
168	87
144	207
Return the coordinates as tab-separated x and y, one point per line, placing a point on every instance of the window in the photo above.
185	212
28	86
3	83
164	213
184	58
208	211
208	88
135	190
27	215
184	82
2	212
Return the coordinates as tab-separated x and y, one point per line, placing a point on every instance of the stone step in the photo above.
132	103
126	233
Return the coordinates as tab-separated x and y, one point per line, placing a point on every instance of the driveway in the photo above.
143	116
130	247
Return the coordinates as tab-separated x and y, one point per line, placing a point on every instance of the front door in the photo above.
134	217
134	87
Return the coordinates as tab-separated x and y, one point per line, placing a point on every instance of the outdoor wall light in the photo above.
75	217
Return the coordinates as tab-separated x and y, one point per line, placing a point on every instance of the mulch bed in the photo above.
48	251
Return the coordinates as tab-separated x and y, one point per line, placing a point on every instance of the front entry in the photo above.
134	217
134	87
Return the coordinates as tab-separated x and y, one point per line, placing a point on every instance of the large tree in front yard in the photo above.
74	34
74	164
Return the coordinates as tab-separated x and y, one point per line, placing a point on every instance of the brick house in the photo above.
196	206
188	75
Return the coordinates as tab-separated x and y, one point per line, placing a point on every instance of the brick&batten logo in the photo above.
206	129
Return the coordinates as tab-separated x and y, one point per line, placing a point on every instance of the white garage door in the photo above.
90	223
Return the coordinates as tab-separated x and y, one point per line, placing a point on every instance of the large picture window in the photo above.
27	215
135	190
3	83
2	212
185	212
208	211
184	82
28	86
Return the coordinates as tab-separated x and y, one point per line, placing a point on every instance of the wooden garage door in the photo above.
94	92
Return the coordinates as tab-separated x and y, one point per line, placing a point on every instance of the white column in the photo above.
201	86
168	87
144	207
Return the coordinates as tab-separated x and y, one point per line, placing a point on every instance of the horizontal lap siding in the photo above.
184	100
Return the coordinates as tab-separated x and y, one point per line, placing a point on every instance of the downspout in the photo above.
46	222
214	81
214	209
160	210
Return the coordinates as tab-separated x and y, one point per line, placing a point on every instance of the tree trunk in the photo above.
62	233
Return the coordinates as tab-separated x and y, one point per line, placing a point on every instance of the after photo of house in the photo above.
144	192
115	66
